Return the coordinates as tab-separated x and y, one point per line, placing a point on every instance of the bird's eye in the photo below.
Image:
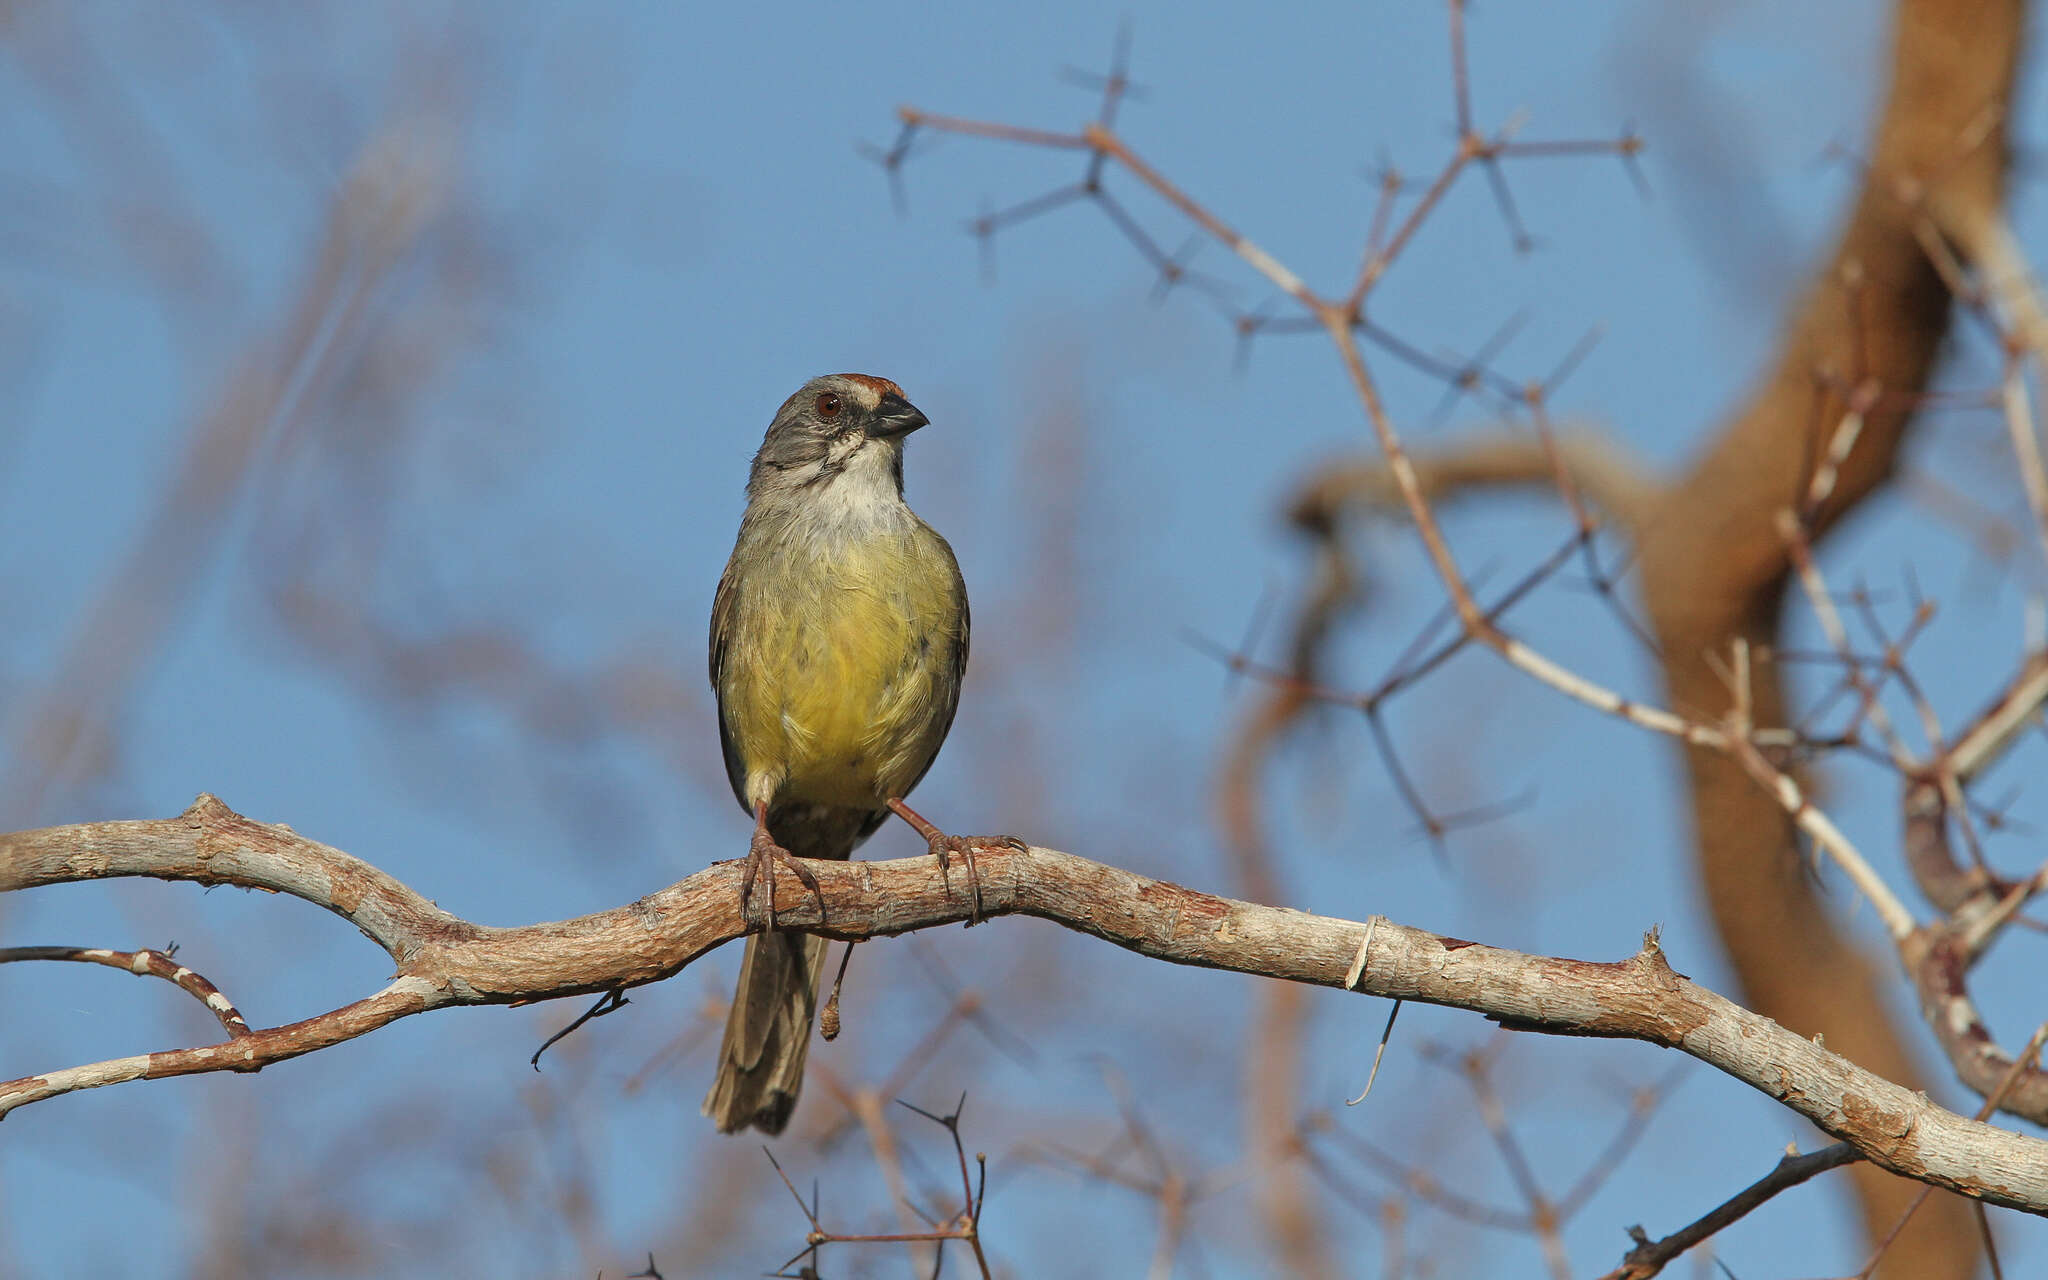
827	405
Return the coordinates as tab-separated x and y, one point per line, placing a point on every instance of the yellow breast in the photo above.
840	672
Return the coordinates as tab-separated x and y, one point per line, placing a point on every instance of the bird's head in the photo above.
841	430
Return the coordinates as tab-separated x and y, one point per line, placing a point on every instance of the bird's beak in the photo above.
894	417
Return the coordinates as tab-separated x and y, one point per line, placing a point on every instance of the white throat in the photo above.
864	492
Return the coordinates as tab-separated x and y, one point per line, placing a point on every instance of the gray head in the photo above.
842	432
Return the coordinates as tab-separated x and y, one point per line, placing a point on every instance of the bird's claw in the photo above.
942	846
762	855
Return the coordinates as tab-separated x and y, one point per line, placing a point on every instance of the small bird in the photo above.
838	642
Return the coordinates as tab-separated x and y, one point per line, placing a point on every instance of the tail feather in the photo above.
768	1032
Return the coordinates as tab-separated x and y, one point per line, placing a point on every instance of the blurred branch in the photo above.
1715	568
1274	1053
378	215
1616	483
445	961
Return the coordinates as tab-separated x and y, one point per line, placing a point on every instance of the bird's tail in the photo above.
768	1032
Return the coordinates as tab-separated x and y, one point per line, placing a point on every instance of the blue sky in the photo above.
660	225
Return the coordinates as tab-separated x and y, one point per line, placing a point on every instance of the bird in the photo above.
838	644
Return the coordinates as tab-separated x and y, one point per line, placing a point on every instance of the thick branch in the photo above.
212	844
446	961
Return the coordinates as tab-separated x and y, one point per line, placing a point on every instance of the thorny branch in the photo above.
962	1225
1713	553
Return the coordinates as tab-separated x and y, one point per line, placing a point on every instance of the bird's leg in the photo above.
762	855
942	844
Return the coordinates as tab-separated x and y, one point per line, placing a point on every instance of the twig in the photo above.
1650	1256
147	963
609	1002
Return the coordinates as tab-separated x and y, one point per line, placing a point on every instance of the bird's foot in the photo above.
944	847
762	855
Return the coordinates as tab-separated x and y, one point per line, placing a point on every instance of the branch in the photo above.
1977	903
150	964
1616	482
1273	1075
445	961
1650	1256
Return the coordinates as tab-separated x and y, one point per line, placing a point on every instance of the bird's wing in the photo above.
721	629
966	626
942	723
